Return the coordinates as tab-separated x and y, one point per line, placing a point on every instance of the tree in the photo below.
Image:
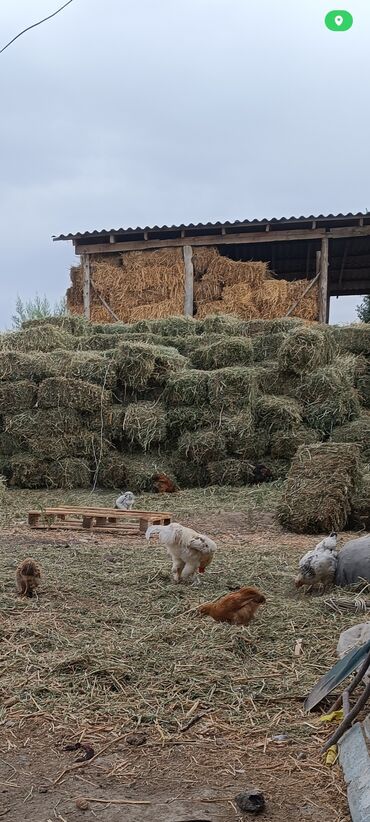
37	309
363	310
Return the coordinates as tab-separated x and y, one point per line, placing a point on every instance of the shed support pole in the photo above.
85	259
189	280
323	286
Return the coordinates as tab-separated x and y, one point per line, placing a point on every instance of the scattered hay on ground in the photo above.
274	414
329	399
322	482
17	396
225	352
60	392
306	348
233	387
187	388
145	424
230	472
202	446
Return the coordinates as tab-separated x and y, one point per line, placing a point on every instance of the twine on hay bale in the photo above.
230	472
145	424
224	352
202	446
187	388
322	483
306	348
17	396
329	399
61	392
39	338
233	387
357	431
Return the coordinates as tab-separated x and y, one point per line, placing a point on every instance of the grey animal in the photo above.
349	566
125	502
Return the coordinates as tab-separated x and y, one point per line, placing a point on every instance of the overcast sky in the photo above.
118	113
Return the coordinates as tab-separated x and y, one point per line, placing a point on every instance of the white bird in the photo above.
318	567
125	502
329	543
189	550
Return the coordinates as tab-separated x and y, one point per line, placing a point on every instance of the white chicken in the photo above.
189	550
125	502
318	567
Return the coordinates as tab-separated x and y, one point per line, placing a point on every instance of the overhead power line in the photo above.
34	25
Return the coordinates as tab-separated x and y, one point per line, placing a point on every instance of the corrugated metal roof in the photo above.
202	226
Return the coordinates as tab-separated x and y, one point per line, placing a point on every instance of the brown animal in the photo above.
27	577
237	608
261	473
162	484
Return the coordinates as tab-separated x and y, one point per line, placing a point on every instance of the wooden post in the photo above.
189	280
85	259
323	285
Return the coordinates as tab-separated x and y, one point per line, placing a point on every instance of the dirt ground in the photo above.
187	762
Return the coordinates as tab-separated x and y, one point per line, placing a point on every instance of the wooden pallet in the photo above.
108	520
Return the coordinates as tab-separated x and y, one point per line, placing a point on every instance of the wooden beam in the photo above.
86	284
306	290
344	258
103	302
189	280
323	285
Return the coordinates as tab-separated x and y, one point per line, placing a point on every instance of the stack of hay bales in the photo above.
150	285
202	400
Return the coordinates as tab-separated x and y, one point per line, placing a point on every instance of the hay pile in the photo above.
202	400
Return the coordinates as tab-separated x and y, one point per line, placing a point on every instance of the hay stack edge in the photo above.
203	400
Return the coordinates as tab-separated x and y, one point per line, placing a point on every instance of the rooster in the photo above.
27	577
189	550
237	608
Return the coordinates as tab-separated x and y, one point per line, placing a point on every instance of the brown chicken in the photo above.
27	577
237	608
162	484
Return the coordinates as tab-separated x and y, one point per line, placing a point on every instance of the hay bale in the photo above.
322	483
357	431
203	446
68	474
188	418
112	471
167	361
89	366
115	329
279	468
37	366
274	414
75	325
39	338
187	388
267	346
190	474
225	352
353	338
135	363
27	471
10	444
60	392
99	342
145	424
306	348
230	472
173	326
115	423
363	384
360	516
284	444
3	487
221	324
242	438
49	424
329	399
17	396
141	467
233	387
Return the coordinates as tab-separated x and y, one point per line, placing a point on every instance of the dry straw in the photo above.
225	352
17	396
305	349
60	392
202	446
145	424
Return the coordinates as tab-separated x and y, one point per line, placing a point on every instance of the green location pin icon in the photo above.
338	20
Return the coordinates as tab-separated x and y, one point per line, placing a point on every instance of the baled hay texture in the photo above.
363	385
114	425
208	289
322	482
99	342
203	256
167	327
260	326
112	471
187	388
75	291
329	399
148	337
202	446
41	338
213	308
279	467
188	418
232	387
89	366
27	471
167	361
145	424
284	444
231	272
230	472
50	424
10	444
239	299
113	328
351	366
278	296
243	440
60	392
190	474
221	324
305	349
17	396
157	311
2	489
69	473
267	346
73	325
360	517
227	351
86	445
353	338
277	414
37	366
272	381
140	469
357	431
135	363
